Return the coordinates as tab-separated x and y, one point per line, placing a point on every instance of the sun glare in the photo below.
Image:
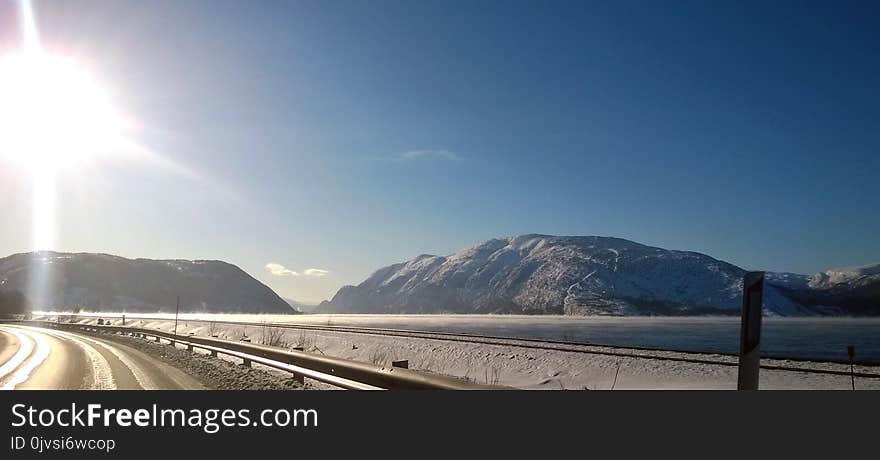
53	113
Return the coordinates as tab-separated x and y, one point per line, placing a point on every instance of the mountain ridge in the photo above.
101	282
584	275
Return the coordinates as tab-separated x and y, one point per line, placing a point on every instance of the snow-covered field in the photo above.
525	367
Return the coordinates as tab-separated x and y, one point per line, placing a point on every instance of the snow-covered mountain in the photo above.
583	275
842	291
96	282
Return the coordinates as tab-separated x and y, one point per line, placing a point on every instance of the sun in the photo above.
53	113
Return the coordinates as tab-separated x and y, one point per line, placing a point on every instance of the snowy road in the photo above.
39	358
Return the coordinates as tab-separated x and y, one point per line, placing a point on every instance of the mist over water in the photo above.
816	338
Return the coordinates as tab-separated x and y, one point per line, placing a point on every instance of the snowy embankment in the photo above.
219	374
592	367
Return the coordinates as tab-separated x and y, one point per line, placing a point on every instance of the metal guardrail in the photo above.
299	372
341	372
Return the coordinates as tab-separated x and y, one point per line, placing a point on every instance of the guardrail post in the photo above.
189	347
214	353
299	378
750	331
246	362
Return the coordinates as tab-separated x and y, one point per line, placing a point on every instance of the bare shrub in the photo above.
491	375
428	363
379	356
213	329
241	334
305	341
616	372
272	336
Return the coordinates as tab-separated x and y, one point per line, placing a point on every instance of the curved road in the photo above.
36	358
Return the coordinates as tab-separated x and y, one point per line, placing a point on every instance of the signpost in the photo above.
176	312
750	331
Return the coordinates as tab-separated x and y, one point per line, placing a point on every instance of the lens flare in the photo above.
54	113
44	211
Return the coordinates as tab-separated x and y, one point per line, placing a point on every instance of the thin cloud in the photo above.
279	270
427	154
316	272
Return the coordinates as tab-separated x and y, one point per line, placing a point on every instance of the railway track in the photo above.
770	362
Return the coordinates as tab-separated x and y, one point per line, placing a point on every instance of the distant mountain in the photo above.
293	303
843	291
592	275
301	307
102	282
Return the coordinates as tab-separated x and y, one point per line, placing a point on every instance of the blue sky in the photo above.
344	136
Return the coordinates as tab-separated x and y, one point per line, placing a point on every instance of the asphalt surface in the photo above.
38	358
